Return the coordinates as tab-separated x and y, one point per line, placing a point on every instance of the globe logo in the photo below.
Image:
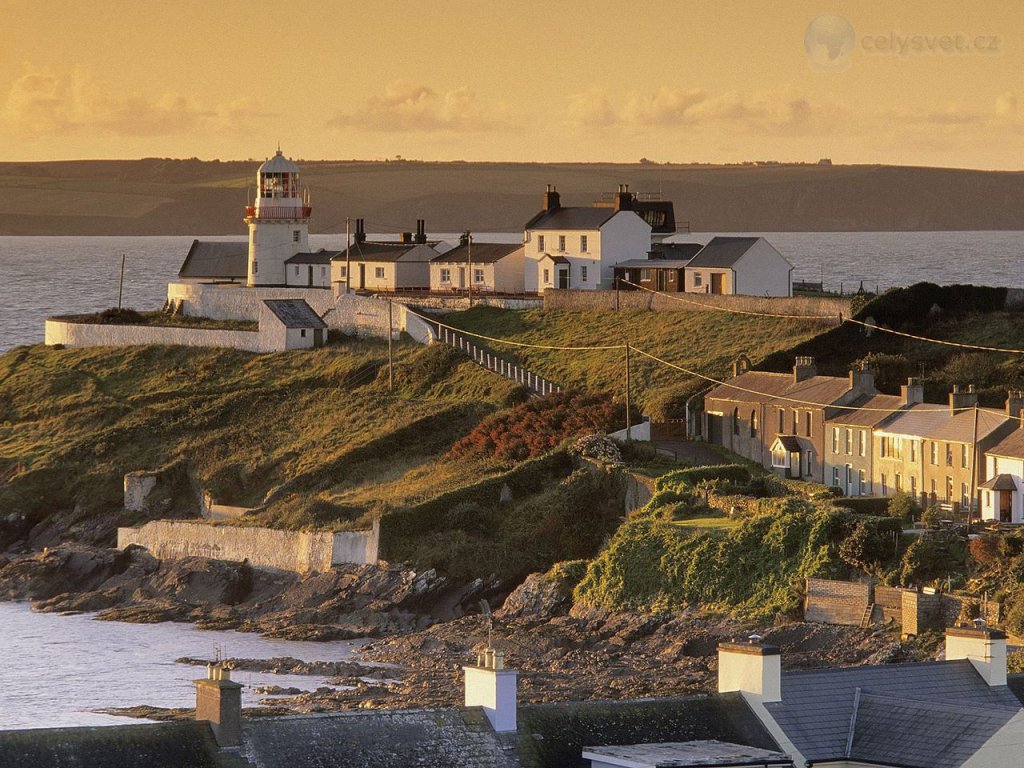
829	41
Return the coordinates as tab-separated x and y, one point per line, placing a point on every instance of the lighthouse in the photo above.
278	222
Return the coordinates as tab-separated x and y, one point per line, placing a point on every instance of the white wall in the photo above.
271	243
624	236
308	275
94	335
509	272
690	280
763	271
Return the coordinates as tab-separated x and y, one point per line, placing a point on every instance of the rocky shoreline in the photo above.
419	639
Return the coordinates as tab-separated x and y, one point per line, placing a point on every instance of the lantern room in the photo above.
278	194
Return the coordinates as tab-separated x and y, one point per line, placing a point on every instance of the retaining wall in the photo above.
72	334
299	551
836	602
605	301
456	303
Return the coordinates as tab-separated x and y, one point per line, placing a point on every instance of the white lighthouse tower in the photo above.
278	222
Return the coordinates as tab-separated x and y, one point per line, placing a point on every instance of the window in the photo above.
547	280
255	267
561	243
780	457
835	439
343	271
935	456
949	488
963	494
782	420
478	275
949	455
862	483
753	423
698	279
849	441
863	442
378	272
645	275
885	487
295	236
899	483
446	275
963	456
913	450
540	245
302	333
913	486
735	421
933	486
583	273
808	459
583	243
296	271
835	476
323	271
807	423
796	419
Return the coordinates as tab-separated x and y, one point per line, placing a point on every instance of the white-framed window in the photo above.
295	235
780	457
913	486
964	456
561	243
645	275
583	273
547	277
296	270
964	496
835	439
899	482
446	275
583	244
863	442
862	483
935	456
343	271
478	275
698	279
540	243
849	441
885	487
378	272
835	476
913	450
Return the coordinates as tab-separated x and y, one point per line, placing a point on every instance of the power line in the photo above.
732	310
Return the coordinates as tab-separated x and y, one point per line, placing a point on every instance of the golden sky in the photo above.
910	82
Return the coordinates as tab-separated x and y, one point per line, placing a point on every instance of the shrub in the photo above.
901	504
120	316
933	557
873	545
690	477
865	505
600	447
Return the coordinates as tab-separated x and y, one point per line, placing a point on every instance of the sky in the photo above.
911	83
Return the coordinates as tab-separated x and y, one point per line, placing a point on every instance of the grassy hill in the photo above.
161	196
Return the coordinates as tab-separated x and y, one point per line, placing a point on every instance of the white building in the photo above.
309	270
739	265
278	222
495	268
1002	493
577	247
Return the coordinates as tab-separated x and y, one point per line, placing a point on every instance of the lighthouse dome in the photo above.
279	164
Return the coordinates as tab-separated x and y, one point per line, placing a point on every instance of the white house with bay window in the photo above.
578	247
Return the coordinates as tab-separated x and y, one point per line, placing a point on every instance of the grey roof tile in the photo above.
294	313
572	218
723	251
483	253
216	259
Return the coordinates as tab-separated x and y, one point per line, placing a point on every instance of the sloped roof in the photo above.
555	259
790	443
653	263
937	422
817	707
894	731
377	252
706	753
220	259
769	387
439	738
723	251
279	164
163	745
319	257
1000	483
294	313
1011	446
483	253
572	218
866	418
684	251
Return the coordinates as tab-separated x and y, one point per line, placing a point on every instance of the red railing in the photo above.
278	212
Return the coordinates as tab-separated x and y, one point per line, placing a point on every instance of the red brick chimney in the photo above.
552	200
623	198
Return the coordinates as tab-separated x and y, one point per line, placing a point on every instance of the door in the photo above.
318	337
462	277
662	279
715	428
716	282
849	480
362	276
563	278
310	275
1005	507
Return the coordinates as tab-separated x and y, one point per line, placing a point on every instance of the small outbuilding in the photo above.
291	324
741	266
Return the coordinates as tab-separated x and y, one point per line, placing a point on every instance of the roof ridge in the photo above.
939	705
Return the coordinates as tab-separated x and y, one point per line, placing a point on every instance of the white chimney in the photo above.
985	648
751	668
491	686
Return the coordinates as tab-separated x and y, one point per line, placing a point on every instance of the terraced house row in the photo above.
842	432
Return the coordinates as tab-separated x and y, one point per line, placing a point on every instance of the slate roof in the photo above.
1011	446
377	252
163	745
571	218
937	422
866	418
294	313
1000	483
769	387
555	259
438	738
790	443
723	251
554	735
688	754
228	259
895	731
653	263
1016	685
483	253
684	251
320	257
818	706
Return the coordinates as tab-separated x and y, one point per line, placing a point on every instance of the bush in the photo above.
933	557
901	504
865	505
600	447
873	546
123	316
690	477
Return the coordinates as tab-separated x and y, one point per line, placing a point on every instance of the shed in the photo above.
290	324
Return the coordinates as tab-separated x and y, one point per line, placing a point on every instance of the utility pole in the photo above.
629	421
120	285
348	260
391	365
469	258
974	469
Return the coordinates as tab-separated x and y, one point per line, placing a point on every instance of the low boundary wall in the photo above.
608	301
837	602
72	334
266	548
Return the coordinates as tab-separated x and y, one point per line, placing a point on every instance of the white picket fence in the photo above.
495	364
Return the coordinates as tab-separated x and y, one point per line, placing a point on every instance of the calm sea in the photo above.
57	669
41	276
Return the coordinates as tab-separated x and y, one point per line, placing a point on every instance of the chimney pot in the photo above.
1015	403
493	688
552	200
912	391
804	368
962	397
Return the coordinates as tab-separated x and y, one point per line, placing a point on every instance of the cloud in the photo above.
407	106
591	109
667	106
41	103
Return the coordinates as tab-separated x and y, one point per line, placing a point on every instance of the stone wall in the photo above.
605	301
836	602
890	602
73	334
299	551
441	304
